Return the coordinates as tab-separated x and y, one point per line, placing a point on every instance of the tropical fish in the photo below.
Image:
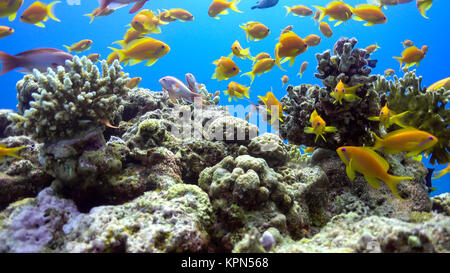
225	69
180	14
134	82
261	66
407	43
147	22
369	13
255	30
408	140
343	91
79	46
112	57
177	89
290	45
389	72
287	29
337	10
325	29
5	31
302	69
308	150
319	126
442	172
299	10
221	6
273	107
412	56
130	36
383	3
404	1
148	49
236	90
263	4
40	59
260	56
372	48
94	57
316	16
38	12
423	6
116	4
105	12
371	165
13	152
239	52
192	83
165	16
388	118
9	8
439	84
284	79
312	40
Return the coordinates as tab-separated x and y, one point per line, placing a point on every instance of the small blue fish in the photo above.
263	4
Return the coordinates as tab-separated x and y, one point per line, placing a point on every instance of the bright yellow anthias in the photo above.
134	82
147	22
273	107
343	91
145	49
299	10
408	140
284	79
130	36
371	165
260	56
225	69
439	84
9	152
80	46
423	6
442	172
236	90
337	10
180	14
105	12
38	12
372	48
388	118
255	31
319	126
239	52
412	56
220	7
261	66
290	45
369	13
9	8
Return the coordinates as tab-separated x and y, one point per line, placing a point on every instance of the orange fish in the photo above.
312	40
325	29
255	30
319	126
337	10
38	12
221	6
302	69
261	66
225	69
412	56
371	14
299	10
290	45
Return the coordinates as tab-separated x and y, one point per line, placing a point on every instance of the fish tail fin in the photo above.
288	10
50	11
251	75
8	62
119	52
309	130
277	56
246	52
90	15
14	152
400	59
323	12
12	17
378	141
424	7
246	31
121	43
68	48
247	92
397	119
233	5
392	184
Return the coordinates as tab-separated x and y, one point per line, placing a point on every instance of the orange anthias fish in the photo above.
164	16
134	82
371	165
9	8
236	90
9	152
273	107
337	10
112	57
5	31
289	47
369	13
94	57
412	56
439	84
299	10
255	30
130	36
423	6
147	22
79	46
372	48
221	6
442	172
408	140
260	56
145	49
180	14
343	91
106	12
389	72
261	66
225	69
38	12
238	51
407	43
319	126
312	40
302	69
284	79
325	29
388	118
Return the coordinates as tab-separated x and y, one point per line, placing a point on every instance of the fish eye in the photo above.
430	138
318	123
234	68
343	149
163	46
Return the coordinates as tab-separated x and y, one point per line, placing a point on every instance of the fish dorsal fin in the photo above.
399	131
378	158
138	41
367	6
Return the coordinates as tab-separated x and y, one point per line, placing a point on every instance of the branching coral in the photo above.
60	104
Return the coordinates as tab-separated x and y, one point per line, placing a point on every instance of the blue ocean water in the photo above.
195	45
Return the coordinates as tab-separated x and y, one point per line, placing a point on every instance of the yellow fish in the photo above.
105	12
423	6
290	45
221	6
80	46
261	66
112	57
147	22
325	29
312	40
236	90
371	165
164	16
180	14
284	79
38	12
372	48
412	56
308	150
148	49
389	72
273	107
302	69
130	36
299	10
134	82
408	140
225	69
255	30
369	13
439	84
239	52
343	91
388	117
9	8
442	172
319	126
337	10
94	57
260	56
9	152
5	31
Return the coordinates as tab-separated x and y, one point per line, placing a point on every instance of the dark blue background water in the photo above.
195	45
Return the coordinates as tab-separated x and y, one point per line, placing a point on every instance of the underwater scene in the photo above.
224	126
